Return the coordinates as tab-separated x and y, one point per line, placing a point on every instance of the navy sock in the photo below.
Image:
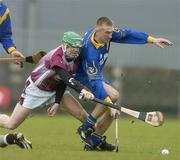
90	122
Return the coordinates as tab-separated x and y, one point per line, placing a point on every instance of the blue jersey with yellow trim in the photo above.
94	56
5	28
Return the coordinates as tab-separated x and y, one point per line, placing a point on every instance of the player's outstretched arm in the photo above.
135	37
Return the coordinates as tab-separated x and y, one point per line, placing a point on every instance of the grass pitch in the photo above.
56	139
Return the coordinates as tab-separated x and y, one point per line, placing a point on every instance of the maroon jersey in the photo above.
43	75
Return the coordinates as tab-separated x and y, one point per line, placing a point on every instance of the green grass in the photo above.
56	139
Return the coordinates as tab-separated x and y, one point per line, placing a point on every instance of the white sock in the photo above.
4	139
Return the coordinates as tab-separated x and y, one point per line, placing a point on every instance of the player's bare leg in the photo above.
17	117
94	141
73	107
107	115
107	118
11	122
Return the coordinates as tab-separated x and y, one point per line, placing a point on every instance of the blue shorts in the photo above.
95	86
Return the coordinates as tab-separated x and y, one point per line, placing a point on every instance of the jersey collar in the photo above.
96	44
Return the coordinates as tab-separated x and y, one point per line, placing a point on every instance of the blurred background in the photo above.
147	77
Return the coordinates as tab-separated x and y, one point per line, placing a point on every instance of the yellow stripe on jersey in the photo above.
3	18
96	44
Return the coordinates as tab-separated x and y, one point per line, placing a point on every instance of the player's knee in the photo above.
115	96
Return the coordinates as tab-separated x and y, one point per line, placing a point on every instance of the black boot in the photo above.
103	146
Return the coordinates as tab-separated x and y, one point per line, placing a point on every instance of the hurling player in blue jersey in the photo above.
9	46
94	55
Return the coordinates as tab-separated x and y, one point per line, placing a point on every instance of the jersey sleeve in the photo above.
60	91
129	36
6	39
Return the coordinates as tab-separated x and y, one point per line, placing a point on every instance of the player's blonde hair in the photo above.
104	20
